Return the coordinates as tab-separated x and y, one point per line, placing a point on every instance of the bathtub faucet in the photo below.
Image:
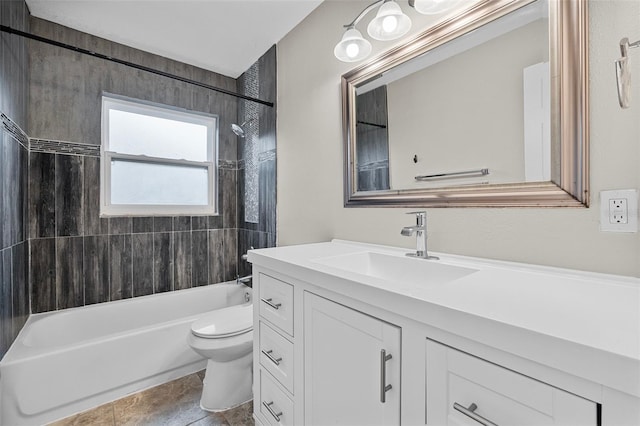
245	280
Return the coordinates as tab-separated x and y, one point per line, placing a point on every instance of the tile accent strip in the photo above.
14	130
64	147
267	156
227	164
79	148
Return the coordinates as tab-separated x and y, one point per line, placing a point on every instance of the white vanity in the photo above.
358	334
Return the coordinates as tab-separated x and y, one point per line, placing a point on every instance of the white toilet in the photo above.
225	338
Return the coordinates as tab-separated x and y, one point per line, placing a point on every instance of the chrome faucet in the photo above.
420	229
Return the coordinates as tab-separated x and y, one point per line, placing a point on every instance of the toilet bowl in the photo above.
225	338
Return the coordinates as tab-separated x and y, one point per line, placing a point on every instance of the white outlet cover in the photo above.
631	195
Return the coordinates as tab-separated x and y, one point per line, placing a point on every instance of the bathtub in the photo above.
68	361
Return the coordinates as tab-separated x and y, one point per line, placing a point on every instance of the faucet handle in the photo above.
421	217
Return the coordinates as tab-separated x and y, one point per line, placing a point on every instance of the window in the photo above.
156	160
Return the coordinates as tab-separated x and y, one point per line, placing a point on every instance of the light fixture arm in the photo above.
625	46
364	13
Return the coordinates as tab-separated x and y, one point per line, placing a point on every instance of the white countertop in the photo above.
586	324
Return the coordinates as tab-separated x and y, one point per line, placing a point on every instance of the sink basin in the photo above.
397	269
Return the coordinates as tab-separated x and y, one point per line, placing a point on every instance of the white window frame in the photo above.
115	102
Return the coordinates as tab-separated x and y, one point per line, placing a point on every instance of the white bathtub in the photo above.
68	361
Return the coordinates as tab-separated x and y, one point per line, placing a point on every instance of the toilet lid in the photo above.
224	322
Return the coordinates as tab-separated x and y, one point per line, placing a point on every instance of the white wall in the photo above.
450	127
310	170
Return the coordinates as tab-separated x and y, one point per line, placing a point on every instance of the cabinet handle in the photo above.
270	303
470	412
275	415
384	387
276	361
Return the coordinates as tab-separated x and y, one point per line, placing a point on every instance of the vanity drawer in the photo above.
276	355
275	406
465	390
276	303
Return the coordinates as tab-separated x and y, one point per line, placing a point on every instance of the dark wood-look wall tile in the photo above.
120	267
69	195
199	223
120	225
215	222
244	245
69	269
93	223
182	260
230	254
142	225
182	223
267	196
11	213
96	269
6	308
24	191
200	256
43	275
6	164
162	224
142	264
42	215
216	256
162	262
20	285
229	197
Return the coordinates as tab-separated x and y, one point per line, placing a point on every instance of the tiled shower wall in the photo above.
14	269
257	187
78	258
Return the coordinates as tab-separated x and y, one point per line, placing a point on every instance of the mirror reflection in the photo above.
473	111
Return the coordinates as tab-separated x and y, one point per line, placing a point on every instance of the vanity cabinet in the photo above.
342	348
273	360
351	366
465	390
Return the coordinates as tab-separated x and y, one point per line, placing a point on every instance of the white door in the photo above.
351	364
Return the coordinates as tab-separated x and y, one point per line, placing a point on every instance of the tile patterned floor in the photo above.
176	403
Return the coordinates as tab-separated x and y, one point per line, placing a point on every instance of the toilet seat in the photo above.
226	322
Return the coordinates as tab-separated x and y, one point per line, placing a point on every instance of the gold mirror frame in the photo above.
568	22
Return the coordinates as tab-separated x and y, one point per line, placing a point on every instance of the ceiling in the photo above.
224	36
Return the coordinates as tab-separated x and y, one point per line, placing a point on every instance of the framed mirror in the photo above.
488	108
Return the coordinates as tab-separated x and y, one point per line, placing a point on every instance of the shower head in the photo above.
239	129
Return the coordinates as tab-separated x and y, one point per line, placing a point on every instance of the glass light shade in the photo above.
353	47
390	22
434	7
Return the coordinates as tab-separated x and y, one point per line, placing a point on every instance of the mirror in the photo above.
487	108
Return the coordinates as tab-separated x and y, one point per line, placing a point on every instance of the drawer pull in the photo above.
384	387
270	303
470	412
276	361
275	415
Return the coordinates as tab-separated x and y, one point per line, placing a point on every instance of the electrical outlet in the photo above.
619	210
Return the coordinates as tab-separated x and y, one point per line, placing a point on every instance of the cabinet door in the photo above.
351	365
465	390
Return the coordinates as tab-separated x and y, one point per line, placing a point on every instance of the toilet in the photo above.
225	338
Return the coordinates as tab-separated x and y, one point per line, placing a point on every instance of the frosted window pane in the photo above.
138	134
134	182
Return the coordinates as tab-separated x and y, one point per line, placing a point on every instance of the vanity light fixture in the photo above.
390	23
432	7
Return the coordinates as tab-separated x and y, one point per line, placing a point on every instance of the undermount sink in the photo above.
396	268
